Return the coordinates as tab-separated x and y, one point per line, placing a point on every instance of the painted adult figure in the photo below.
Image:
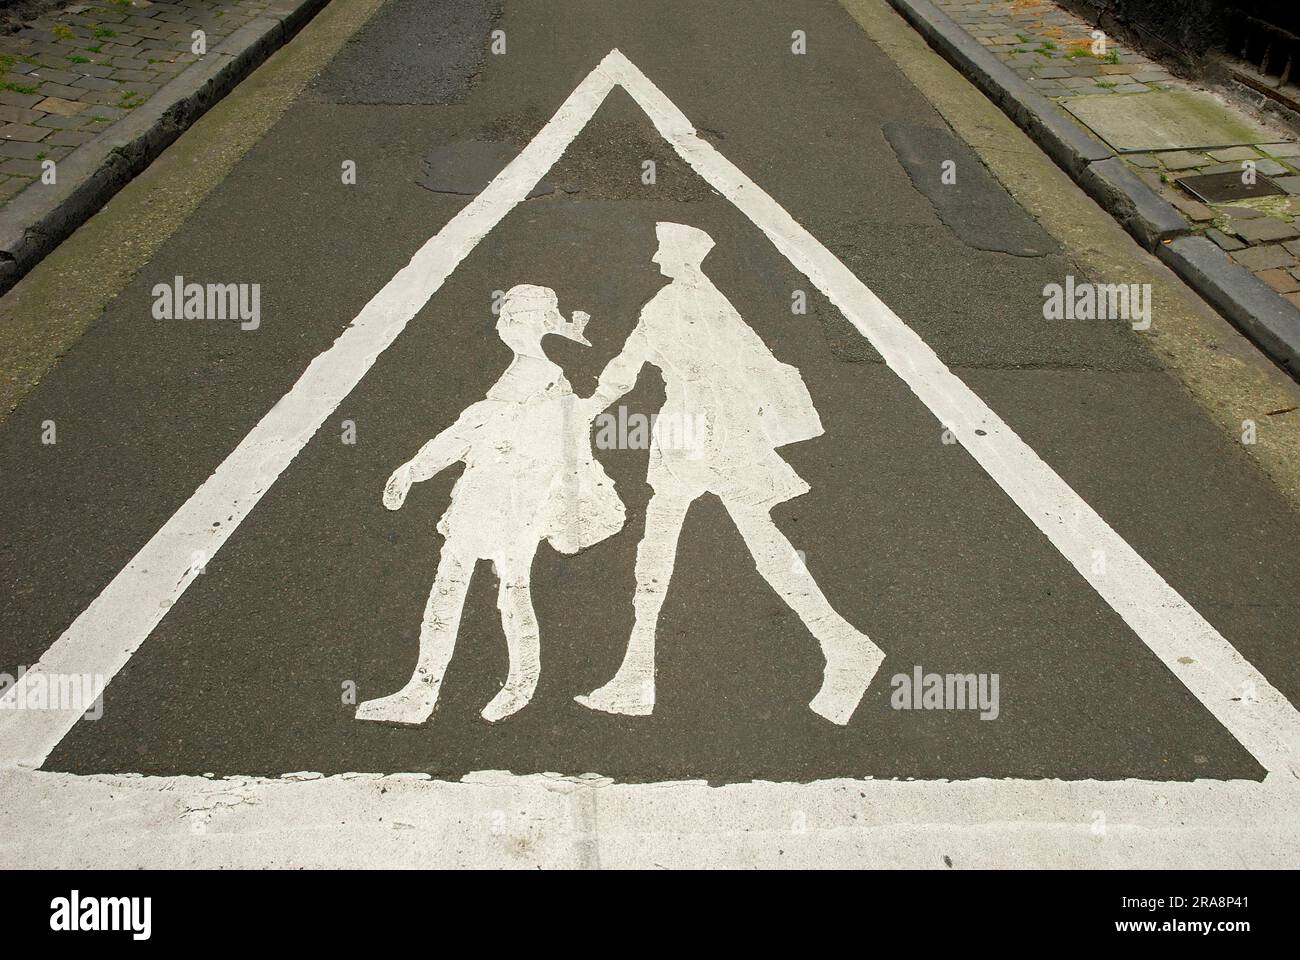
720	376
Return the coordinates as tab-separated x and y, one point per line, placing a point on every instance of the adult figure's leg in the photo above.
851	658
414	702
632	690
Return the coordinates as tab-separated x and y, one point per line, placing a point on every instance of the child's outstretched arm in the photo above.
435	456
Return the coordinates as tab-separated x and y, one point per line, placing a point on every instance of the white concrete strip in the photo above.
1255	712
111	629
499	820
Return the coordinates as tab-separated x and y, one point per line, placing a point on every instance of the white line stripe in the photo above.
500	820
104	637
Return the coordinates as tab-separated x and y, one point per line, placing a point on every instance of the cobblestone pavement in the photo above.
1053	50
69	75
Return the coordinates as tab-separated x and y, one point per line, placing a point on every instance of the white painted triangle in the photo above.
111	629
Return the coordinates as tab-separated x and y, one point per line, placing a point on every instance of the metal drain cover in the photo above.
1218	187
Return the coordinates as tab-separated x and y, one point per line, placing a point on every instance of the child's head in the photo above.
530	312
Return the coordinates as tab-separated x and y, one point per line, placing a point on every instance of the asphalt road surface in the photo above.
314	602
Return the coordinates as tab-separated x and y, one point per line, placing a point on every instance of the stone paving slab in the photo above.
1067	59
1167	120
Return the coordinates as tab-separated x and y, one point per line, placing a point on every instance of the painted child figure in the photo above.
529	476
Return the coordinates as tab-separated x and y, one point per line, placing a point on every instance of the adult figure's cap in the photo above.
691	242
